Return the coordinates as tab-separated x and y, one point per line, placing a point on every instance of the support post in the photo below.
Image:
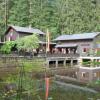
48	63
71	62
80	62
64	63
56	63
92	65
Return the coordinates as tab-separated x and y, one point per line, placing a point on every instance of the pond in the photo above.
55	93
34	89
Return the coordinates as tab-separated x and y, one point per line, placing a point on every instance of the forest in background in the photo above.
59	16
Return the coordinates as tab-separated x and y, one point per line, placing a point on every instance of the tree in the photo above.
19	12
28	43
2	17
6	48
77	16
59	16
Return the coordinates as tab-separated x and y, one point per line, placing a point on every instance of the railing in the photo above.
62	55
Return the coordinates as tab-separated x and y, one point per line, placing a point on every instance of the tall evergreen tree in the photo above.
59	16
2	16
18	14
76	16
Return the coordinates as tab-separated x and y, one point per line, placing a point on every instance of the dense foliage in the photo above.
27	43
59	16
7	47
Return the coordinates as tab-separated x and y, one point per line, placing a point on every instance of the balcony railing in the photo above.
59	55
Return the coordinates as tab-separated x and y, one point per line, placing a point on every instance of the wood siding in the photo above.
11	35
96	41
88	44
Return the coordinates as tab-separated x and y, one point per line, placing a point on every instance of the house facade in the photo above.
84	44
15	32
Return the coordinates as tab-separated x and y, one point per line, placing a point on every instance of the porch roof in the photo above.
65	45
81	36
43	42
28	30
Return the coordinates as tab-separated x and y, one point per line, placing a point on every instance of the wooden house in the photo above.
15	32
84	44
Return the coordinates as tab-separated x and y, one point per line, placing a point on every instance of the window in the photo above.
84	49
85	74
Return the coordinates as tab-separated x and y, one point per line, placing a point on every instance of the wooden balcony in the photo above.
58	55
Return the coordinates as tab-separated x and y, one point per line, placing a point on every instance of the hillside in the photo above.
59	16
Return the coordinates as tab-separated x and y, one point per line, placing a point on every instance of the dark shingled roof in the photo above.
26	30
77	36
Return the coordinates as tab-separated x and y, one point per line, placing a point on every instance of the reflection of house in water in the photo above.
89	74
89	69
83	44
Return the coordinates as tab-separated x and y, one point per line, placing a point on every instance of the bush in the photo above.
6	48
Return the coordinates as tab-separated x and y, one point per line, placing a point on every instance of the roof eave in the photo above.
10	27
72	39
